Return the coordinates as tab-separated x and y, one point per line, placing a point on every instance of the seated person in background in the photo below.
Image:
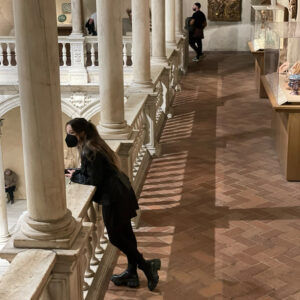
91	24
10	179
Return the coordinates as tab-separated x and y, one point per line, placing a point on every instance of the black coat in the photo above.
113	186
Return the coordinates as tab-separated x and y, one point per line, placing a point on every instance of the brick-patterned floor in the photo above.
215	207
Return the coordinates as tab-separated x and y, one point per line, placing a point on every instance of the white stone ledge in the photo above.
27	276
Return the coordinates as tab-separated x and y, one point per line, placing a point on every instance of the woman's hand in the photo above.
70	173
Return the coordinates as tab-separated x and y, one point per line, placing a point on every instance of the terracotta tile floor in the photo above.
215	207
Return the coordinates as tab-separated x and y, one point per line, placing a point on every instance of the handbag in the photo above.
198	33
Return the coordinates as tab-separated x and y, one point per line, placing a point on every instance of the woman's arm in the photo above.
91	171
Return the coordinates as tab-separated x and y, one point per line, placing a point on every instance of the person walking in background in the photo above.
197	23
10	179
91	24
100	167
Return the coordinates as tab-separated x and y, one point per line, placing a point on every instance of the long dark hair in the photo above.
90	141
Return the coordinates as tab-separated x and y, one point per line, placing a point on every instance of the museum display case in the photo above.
263	15
282	61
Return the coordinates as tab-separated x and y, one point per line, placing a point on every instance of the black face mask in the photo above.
194	9
71	140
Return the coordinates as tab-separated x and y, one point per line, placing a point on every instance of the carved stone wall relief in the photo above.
224	10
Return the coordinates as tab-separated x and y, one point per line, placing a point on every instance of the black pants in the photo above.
196	44
10	190
121	235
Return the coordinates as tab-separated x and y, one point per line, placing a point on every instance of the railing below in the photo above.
72	51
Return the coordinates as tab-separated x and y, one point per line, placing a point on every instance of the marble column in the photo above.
141	43
48	223
178	17
170	23
77	18
273	2
158	31
4	235
112	124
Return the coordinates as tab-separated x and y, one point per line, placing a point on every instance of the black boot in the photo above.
128	278
150	268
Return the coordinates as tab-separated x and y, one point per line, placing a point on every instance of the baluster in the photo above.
93	58
64	54
84	264
87	54
89	272
92	217
125	55
15	54
8	51
1	55
103	239
99	249
131	54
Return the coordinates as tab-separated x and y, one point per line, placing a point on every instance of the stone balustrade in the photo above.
78	59
87	47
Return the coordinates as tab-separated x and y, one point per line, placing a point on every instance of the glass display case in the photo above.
282	61
263	15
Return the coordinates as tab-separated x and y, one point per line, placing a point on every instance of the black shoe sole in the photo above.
132	283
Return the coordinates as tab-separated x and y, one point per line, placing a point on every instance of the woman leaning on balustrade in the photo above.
99	167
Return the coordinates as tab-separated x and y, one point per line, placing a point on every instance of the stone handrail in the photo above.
27	276
137	118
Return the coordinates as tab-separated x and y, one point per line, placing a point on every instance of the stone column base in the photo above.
45	235
114	131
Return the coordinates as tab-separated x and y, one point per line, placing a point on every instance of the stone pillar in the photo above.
170	23
4	235
178	17
48	223
273	2
112	124
141	43
298	11
77	18
158	31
